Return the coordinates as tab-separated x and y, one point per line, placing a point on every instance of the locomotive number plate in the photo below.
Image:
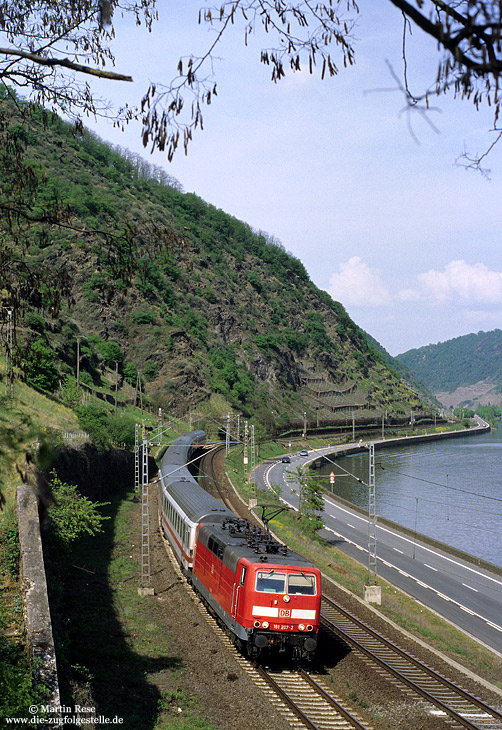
284	613
282	627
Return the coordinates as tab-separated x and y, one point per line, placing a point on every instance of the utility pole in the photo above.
245	458
9	354
372	591
304	425
136	461
78	360
145	588
116	384
227	435
253	453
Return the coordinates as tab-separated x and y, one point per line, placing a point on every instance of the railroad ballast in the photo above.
267	596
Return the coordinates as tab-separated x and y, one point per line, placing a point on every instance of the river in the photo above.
450	490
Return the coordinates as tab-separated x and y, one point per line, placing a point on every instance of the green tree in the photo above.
310	498
70	393
37	363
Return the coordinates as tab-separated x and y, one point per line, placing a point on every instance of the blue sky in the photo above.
381	217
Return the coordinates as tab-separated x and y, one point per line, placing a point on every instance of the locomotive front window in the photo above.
270	582
303	584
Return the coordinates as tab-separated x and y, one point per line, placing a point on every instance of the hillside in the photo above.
205	312
463	371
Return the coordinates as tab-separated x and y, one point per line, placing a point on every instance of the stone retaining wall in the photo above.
36	602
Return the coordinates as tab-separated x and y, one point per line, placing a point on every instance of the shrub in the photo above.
122	430
143	316
35	322
71	515
70	393
93	419
111	352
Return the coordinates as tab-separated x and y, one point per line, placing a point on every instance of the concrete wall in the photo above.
34	586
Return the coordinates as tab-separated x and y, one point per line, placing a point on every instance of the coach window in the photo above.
303	584
243	575
270	582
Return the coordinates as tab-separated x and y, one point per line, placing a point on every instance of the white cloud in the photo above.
357	284
463	282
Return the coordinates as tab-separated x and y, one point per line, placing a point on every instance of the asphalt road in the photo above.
462	593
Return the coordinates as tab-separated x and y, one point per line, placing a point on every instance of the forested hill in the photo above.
460	362
174	293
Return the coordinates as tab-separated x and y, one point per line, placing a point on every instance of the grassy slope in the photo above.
226	290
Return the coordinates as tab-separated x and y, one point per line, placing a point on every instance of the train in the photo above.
266	597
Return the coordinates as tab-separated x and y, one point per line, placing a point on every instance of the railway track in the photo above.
461	708
311	704
314	707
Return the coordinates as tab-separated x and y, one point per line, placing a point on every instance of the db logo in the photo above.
284	612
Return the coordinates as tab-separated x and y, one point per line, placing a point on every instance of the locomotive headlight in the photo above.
265	624
286	599
310	627
301	627
257	624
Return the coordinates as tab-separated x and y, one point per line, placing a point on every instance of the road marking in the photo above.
494	626
424	585
467	610
441	595
426	565
472	589
423	547
398	551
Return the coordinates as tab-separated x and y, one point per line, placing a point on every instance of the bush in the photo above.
122	430
111	352
70	393
35	322
143	316
93	419
71	515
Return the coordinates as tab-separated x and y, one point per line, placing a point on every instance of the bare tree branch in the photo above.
65	63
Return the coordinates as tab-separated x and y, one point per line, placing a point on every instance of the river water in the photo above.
450	490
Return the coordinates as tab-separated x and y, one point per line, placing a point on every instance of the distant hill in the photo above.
462	371
173	292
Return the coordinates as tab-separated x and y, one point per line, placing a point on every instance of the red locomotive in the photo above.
266	596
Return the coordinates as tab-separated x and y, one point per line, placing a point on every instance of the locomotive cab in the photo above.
279	605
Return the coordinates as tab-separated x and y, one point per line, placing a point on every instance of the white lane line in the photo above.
494	626
472	589
398	551
426	565
412	542
441	595
424	585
